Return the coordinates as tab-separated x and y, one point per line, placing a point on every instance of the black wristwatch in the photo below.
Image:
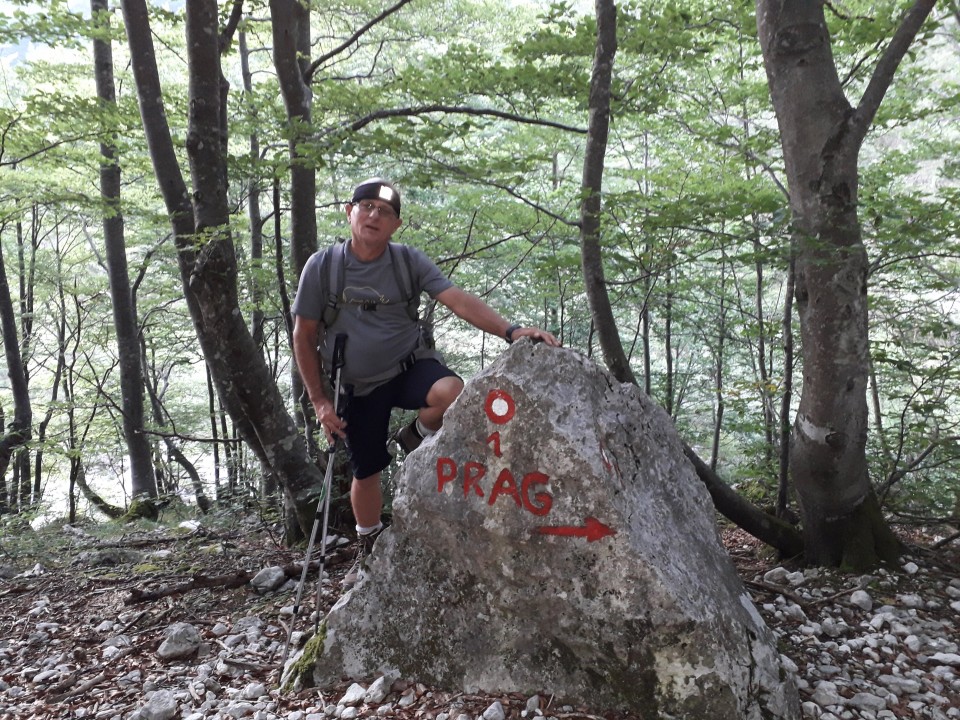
508	334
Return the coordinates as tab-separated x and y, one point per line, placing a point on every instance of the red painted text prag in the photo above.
529	494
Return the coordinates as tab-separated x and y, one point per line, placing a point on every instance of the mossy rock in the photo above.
300	673
142	508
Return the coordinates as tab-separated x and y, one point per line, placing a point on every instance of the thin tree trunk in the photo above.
718	372
142	479
4	504
55	385
772	530
648	281
668	391
253	206
18	432
22	490
764	526
279	262
766	397
78	478
878	416
598	129
218	462
768	410
783	484
291	53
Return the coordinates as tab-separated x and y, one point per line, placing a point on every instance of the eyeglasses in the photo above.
368	208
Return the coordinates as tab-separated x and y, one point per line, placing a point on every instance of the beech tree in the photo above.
142	479
21	424
822	134
207	259
593	163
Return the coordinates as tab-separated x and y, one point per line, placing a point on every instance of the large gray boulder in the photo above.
553	538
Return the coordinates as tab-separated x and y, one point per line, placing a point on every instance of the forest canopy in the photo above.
480	111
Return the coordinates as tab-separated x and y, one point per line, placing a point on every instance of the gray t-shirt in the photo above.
373	314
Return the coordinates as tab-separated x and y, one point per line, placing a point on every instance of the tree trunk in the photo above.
142	479
821	136
719	369
52	405
206	256
772	530
20	428
290	20
783	475
668	391
766	395
598	129
254	215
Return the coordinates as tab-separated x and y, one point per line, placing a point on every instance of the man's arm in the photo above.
306	334
483	317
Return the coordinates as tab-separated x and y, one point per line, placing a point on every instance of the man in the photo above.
386	360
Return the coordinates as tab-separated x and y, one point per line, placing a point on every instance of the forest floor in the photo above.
83	611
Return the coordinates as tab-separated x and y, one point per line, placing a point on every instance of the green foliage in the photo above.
478	110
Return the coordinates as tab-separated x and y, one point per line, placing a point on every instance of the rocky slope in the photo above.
90	626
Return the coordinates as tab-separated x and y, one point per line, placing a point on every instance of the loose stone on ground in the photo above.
60	631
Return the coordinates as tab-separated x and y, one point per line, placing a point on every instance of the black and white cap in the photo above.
377	189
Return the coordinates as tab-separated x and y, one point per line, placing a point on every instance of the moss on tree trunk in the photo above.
856	542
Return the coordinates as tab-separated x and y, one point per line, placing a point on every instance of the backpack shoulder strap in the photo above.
404	274
334	262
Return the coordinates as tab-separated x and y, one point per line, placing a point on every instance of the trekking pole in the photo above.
341	411
339	346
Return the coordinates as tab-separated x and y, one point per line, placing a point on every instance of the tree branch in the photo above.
315	65
457	110
886	67
226	35
763	526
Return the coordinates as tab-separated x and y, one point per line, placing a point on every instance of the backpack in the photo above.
334	263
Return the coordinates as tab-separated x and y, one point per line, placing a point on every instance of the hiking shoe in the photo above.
408	438
358	570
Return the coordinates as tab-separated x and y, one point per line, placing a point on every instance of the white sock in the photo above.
424	431
368	530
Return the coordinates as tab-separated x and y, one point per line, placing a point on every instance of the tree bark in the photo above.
20	428
254	215
783	464
821	135
206	255
290	20
772	530
591	192
142	479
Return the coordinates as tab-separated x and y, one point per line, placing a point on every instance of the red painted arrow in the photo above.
592	530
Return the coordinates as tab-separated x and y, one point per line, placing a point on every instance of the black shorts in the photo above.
368	417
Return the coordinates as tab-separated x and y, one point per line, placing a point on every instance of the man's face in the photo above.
372	220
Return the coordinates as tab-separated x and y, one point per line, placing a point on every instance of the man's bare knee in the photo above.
444	392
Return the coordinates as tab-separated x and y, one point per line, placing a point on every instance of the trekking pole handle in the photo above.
339	351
